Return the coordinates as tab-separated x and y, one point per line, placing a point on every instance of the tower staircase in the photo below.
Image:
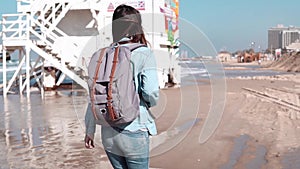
34	30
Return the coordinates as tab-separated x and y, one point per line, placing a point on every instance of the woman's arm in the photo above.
90	125
149	89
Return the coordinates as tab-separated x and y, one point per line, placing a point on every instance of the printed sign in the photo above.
110	7
137	4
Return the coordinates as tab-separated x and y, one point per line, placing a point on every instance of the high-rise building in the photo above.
281	37
290	36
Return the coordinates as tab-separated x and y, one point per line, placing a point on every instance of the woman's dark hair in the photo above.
127	22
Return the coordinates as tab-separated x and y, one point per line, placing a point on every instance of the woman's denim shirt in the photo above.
146	82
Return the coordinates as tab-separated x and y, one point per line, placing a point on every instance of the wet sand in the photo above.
260	128
46	133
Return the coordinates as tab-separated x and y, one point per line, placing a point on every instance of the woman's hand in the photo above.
89	142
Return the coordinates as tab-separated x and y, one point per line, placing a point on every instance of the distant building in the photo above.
224	56
281	37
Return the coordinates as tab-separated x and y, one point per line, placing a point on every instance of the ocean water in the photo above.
191	71
10	68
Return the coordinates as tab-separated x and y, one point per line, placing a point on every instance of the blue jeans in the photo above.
125	149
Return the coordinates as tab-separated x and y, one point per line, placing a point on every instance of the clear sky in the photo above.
8	6
234	24
229	24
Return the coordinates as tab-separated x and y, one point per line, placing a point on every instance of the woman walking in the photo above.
127	146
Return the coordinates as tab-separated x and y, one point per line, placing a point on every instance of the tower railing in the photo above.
30	30
15	27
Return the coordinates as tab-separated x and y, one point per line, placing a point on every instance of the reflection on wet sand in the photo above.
46	133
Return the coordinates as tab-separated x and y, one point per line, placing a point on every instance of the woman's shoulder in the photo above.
142	50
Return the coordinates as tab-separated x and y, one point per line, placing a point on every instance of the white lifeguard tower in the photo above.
63	34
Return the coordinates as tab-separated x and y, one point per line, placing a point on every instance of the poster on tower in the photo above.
171	13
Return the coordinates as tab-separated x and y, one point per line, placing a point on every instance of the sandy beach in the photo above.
260	128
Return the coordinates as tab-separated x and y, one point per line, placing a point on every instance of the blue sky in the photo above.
234	24
8	6
229	24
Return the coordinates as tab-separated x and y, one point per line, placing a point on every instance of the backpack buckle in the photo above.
103	111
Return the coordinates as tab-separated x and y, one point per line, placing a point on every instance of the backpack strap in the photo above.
94	81
133	47
111	78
